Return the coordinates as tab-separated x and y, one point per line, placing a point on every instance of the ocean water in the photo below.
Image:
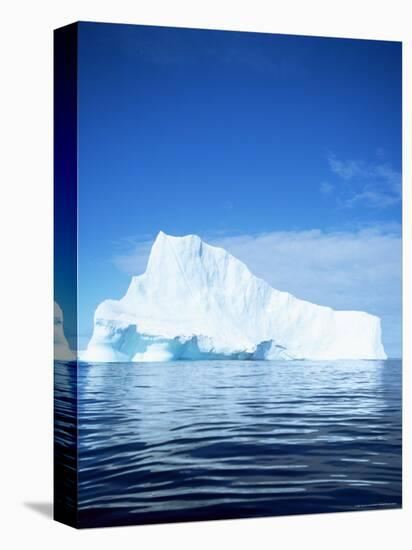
163	442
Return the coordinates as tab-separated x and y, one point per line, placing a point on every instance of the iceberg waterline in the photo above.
196	301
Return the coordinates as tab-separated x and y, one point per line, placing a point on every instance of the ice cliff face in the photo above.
197	301
62	352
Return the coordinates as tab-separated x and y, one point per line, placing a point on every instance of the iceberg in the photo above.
62	351
197	301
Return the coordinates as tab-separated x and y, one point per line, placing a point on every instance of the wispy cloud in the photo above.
359	269
326	188
133	255
376	185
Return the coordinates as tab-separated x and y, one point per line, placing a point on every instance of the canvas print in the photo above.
227	274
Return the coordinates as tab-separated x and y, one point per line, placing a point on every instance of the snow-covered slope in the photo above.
62	352
197	301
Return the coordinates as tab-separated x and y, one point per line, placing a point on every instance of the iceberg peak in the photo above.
164	243
198	301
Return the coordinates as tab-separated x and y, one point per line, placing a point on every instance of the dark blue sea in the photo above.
163	442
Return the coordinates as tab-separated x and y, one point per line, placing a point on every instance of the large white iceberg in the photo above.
197	301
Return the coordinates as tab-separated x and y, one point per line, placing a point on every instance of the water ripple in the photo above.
203	440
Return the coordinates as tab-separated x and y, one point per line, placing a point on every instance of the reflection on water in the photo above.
203	440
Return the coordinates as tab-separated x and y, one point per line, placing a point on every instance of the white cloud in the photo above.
133	261
326	188
358	269
376	185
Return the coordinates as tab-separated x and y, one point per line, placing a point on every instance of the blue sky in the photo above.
284	149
